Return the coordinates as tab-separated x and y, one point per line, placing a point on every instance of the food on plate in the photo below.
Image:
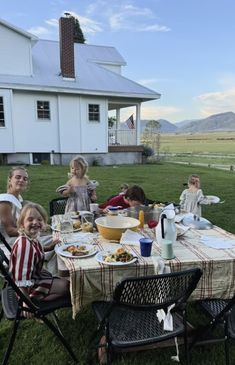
77	250
158	205
120	255
76	225
87	227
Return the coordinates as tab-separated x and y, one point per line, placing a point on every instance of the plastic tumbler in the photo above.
145	247
167	249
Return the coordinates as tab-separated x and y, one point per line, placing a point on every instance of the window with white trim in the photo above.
2	118
93	113
43	109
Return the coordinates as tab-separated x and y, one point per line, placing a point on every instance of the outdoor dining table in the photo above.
91	280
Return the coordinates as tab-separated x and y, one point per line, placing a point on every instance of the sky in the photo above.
182	49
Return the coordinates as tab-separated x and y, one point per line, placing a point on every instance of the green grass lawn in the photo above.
35	345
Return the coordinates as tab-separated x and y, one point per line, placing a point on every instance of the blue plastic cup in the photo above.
146	247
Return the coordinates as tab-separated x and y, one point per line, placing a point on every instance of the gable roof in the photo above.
91	75
20	31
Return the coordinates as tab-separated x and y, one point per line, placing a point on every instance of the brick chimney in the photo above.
66	27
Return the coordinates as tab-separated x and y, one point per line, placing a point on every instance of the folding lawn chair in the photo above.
130	319
13	300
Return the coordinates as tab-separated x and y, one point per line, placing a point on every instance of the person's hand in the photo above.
26	314
50	246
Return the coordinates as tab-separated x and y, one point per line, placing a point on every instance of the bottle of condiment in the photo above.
141	218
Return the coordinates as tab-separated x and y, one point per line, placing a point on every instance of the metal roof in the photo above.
92	77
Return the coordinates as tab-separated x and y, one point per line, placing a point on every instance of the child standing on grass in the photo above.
192	197
27	258
79	189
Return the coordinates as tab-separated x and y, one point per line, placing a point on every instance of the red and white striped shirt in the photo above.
26	264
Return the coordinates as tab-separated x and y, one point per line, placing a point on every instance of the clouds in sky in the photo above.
104	15
217	102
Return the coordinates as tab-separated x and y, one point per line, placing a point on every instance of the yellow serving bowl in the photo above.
112	227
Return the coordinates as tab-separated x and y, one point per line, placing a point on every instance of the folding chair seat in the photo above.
57	206
130	319
221	314
13	300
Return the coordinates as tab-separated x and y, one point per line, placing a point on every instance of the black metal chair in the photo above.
5	261
13	300
130	320
57	206
4	242
221	313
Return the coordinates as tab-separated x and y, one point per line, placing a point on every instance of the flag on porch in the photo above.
130	122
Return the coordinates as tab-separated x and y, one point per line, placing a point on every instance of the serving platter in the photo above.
100	257
62	250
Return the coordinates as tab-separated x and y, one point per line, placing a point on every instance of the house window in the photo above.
41	158
2	119
43	109
94	113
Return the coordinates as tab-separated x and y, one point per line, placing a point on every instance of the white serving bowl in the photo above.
112	227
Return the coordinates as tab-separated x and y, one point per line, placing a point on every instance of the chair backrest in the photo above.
4	241
157	290
57	206
7	277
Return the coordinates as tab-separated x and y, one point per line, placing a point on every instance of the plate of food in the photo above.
76	250
59	228
117	258
212	199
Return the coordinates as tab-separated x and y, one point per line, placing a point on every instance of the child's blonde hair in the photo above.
79	160
194	180
29	206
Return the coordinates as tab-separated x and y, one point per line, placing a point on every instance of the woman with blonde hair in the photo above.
11	202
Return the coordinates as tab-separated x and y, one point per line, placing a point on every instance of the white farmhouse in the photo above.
55	98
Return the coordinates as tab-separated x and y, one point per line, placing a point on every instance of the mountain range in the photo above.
214	123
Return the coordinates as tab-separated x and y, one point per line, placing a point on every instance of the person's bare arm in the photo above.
7	219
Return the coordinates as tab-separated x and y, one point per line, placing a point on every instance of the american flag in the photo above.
130	122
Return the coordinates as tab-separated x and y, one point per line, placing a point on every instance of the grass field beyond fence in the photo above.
35	345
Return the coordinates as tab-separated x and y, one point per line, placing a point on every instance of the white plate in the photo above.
59	230
102	254
213	199
181	230
60	250
75	216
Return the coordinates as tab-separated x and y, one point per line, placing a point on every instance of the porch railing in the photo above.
122	137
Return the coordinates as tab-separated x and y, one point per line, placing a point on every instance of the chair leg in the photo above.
58	333
11	343
226	342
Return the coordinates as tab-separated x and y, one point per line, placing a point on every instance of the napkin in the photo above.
166	318
216	242
130	237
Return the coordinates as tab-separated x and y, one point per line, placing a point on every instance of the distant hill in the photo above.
216	122
166	127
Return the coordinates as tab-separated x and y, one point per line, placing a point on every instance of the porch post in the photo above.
138	106
117	124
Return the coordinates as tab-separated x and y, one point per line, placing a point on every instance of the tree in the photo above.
78	34
152	135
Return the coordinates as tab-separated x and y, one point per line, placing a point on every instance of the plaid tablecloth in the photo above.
91	280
